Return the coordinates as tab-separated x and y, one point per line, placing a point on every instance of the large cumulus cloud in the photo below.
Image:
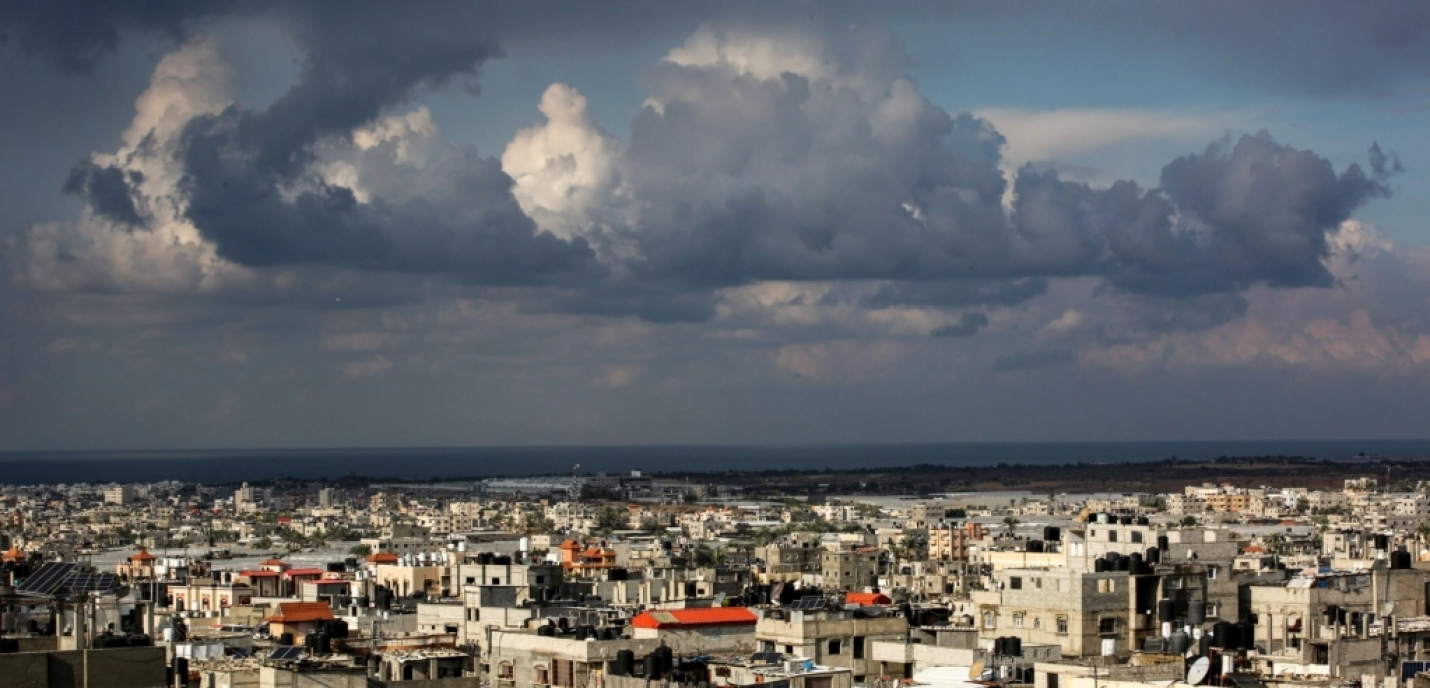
802	156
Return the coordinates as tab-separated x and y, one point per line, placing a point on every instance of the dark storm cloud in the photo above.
740	178
967	326
109	191
1032	360
74	34
957	293
745	179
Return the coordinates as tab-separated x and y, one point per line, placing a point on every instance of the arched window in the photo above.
505	672
540	675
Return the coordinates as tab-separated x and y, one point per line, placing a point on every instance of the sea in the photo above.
458	463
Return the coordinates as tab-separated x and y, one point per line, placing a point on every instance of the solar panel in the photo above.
48	578
88	582
807	603
287	652
766	658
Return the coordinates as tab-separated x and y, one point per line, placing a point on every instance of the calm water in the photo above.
472	462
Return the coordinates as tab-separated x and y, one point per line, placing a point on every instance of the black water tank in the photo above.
336	567
1233	637
1153	556
1166	610
1248	634
1015	646
1135	564
652	667
324	646
667	659
338	628
625	663
1196	612
547	631
1000	647
1099	566
1400	560
1125	520
1221	634
1035	546
1162	543
1382	541
181	671
1143	521
1052	534
1180	642
140	640
1204	644
1123	563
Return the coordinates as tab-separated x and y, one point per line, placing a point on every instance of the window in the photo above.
564	673
1037	623
496	581
1018	620
834	647
1112	536
1107	624
471	580
1063	625
505	672
859	647
989	620
1015	583
1137	536
789	649
541	675
1038	583
1212	571
1052	681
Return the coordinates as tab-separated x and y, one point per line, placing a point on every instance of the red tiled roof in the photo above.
571	544
143	555
271	562
294	573
383	558
867	598
296	612
14	553
706	616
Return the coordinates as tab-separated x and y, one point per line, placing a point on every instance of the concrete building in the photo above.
122	495
829	637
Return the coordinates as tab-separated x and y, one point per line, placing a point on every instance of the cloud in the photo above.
968	325
1047	135
1032	360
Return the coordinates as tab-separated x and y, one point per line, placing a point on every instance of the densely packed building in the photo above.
624	581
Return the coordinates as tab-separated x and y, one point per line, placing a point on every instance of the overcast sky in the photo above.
280	224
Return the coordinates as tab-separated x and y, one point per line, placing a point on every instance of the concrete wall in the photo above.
132	667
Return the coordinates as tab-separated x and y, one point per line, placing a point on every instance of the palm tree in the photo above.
1011	521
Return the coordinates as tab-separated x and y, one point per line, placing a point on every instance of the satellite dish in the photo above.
1198	671
975	671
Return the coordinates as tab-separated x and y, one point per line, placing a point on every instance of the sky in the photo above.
229	224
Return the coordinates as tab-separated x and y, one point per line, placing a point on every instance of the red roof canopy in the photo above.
867	598
706	616
297	612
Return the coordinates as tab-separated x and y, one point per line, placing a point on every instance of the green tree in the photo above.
360	550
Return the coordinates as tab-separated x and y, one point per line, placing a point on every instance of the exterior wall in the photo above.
811	634
706	640
1060	606
134	667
